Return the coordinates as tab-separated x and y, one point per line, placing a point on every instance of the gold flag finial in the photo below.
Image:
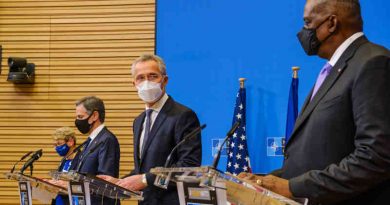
295	71
242	81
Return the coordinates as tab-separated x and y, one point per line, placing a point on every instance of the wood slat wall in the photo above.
80	48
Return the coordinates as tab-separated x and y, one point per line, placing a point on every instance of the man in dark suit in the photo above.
101	152
156	132
339	151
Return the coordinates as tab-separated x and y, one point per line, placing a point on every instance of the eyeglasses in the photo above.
150	77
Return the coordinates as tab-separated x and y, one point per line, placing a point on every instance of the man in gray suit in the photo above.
339	151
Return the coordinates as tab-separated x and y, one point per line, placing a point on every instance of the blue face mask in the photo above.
62	150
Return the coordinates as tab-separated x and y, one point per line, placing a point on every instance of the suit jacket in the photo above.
339	151
103	160
173	122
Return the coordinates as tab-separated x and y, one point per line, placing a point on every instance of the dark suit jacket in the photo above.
104	160
339	151
173	122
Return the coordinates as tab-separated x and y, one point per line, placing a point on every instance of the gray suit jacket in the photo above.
339	151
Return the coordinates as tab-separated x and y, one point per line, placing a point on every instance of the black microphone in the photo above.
218	155
189	136
77	149
22	158
37	154
89	152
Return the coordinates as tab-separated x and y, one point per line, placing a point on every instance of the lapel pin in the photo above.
339	70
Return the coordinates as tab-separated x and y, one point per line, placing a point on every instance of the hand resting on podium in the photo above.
133	182
61	183
273	183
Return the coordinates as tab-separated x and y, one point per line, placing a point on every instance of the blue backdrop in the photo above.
208	45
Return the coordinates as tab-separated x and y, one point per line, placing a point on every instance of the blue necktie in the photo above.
83	153
147	128
87	143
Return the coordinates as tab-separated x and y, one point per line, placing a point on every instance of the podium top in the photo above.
36	182
98	186
207	176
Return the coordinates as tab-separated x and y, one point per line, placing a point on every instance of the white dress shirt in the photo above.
340	50
95	132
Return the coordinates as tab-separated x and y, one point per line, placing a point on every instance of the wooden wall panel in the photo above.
80	48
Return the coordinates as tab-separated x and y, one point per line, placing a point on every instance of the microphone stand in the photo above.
22	158
162	180
186	138
218	155
85	157
76	150
37	154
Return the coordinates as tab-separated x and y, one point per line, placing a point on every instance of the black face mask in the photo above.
309	41
83	126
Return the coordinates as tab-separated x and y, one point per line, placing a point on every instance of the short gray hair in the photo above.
150	57
348	8
91	104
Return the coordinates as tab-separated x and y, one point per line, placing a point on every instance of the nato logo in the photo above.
275	146
216	143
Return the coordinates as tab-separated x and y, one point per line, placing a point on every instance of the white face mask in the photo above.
149	91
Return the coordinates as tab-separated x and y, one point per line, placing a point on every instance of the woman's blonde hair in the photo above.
64	133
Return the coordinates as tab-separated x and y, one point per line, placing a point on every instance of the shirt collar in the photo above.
159	104
340	50
95	132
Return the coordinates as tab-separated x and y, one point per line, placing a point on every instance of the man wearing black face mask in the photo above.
104	160
339	150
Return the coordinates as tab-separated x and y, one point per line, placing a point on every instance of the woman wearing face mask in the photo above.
64	144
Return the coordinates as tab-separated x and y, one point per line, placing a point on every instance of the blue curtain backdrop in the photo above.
208	45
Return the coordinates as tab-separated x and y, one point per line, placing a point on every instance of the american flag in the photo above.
238	157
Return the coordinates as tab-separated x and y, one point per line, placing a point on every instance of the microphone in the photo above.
22	158
85	156
37	154
77	149
218	155
189	136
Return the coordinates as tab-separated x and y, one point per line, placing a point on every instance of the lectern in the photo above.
43	190
82	186
206	185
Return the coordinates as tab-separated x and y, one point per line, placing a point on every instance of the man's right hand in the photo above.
108	178
61	183
247	176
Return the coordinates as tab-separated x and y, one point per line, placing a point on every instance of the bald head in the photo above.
347	12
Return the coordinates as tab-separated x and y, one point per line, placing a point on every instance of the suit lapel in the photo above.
96	141
306	103
91	145
335	73
156	125
137	134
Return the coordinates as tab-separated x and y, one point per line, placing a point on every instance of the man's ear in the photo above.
333	23
95	116
165	80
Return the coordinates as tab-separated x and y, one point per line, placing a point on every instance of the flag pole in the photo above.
242	82
292	105
295	70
